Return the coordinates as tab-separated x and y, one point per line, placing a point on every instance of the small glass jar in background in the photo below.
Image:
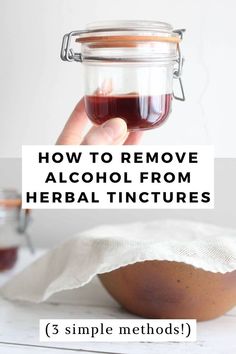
129	67
13	223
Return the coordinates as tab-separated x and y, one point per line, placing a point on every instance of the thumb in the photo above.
112	132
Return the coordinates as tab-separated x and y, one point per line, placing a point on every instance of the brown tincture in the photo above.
8	257
139	112
163	289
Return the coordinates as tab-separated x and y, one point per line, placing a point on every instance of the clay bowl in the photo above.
162	289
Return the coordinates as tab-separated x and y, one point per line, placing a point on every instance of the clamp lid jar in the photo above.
129	70
13	222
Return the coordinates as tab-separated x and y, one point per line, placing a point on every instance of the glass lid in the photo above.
129	30
9	198
130	25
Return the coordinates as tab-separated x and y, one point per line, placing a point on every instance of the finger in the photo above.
133	138
72	133
112	132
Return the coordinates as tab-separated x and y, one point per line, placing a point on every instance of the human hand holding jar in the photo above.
129	69
112	132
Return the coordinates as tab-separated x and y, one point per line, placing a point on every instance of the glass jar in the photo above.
129	70
13	222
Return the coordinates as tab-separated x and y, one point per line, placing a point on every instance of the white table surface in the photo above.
19	324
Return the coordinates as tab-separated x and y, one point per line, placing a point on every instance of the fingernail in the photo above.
115	128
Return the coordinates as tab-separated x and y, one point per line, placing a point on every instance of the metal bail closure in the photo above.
23	222
67	52
178	71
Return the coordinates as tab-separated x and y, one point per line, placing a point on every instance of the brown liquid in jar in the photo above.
8	257
139	112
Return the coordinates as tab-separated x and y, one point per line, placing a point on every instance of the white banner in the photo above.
114	330
92	177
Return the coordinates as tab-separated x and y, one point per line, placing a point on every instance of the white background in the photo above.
38	90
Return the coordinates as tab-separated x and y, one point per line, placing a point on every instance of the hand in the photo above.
112	132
